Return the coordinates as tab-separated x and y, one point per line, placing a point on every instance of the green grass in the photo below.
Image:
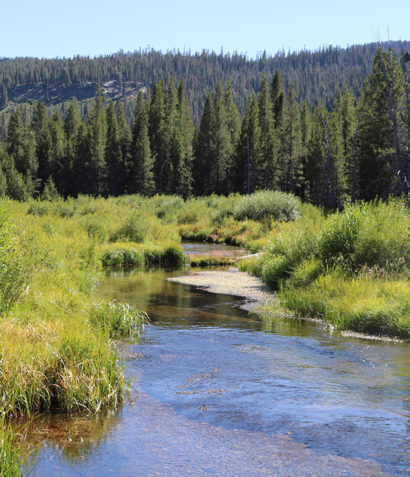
210	261
350	268
363	304
137	255
118	320
12	462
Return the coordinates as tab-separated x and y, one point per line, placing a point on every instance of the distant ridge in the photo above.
317	75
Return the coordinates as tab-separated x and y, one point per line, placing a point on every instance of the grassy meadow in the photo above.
350	268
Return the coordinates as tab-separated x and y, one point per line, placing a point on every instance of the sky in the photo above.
55	28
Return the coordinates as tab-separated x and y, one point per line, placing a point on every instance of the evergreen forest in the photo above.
356	149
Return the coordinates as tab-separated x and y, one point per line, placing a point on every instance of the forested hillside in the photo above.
317	76
356	149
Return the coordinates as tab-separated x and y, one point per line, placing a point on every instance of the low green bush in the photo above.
268	204
368	235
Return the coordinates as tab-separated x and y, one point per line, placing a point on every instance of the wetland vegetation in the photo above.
349	268
326	209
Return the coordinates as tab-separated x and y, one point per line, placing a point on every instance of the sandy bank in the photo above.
230	282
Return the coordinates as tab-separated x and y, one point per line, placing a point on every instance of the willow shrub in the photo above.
368	235
267	204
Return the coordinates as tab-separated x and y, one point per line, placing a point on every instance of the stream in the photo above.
215	391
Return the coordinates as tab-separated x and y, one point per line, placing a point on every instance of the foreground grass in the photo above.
12	464
350	269
55	348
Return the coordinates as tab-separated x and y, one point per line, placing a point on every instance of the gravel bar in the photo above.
230	282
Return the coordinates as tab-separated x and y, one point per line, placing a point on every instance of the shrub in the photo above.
268	204
368	235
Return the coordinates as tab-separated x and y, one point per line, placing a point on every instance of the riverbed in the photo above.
215	391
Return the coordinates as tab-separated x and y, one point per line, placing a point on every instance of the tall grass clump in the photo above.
51	356
368	235
119	320
274	205
12	461
15	265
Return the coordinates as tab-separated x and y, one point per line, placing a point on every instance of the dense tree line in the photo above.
316	75
358	149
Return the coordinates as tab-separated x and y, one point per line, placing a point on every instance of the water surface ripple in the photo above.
217	392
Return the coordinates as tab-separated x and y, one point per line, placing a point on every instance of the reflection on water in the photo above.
75	439
218	392
195	248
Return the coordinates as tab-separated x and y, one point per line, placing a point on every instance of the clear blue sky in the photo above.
50	28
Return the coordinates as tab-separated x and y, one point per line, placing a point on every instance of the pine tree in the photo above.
345	111
315	176
72	123
234	128
42	132
204	170
306	131
181	146
266	174
141	163
113	152
278	100
223	149
381	129
15	184
125	142
4	97
249	150
21	147
98	138
169	168
157	133
291	168
61	170
83	175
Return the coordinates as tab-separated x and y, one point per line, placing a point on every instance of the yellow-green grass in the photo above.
12	461
377	306
210	261
129	254
53	354
350	268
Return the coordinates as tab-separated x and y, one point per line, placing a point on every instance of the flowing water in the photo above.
218	392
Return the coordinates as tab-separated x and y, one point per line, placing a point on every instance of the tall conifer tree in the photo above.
98	139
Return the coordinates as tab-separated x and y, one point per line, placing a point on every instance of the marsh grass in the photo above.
143	255
13	462
350	268
210	261
119	320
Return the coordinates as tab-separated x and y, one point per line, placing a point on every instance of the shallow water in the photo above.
217	392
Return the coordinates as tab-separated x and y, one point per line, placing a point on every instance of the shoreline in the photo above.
229	282
236	283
